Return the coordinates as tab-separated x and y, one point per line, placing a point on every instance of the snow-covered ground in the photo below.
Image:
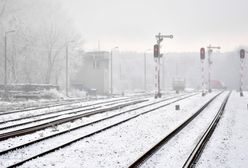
44	145
59	128
16	105
228	146
176	151
4	105
119	146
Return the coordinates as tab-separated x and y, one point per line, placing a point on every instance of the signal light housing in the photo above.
242	54
156	51
202	53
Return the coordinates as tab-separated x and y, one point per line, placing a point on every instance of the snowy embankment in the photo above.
15	105
176	151
119	146
228	146
47	144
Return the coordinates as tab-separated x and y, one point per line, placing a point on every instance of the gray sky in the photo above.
132	24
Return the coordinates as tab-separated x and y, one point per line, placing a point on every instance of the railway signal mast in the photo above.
242	57
202	56
210	51
157	57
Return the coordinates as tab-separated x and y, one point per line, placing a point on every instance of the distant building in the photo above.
94	74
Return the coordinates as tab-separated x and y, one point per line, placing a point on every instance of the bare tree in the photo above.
36	51
2	7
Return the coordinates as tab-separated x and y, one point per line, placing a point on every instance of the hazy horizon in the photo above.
132	25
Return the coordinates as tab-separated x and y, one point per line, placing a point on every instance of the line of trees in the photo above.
36	50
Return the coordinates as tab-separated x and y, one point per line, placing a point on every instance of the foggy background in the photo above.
44	28
132	24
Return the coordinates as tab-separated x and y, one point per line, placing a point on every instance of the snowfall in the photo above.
120	146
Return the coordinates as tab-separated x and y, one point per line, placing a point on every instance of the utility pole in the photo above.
145	72
6	94
67	68
157	55
145	80
5	68
111	70
210	51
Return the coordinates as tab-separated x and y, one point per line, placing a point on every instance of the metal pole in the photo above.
159	38
209	71
156	77
120	77
145	71
111	72
163	73
159	94
203	78
5	67
67	65
241	77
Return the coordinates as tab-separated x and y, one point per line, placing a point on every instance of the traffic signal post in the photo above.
202	57
242	57
157	57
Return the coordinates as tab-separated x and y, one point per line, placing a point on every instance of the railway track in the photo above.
78	104
154	149
88	110
84	125
196	153
31	129
55	114
95	132
51	104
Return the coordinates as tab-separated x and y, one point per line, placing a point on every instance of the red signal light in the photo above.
202	53
242	54
156	50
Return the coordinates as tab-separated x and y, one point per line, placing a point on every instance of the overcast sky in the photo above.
132	24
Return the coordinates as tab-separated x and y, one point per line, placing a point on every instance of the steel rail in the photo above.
161	143
197	151
94	133
64	111
43	107
35	128
84	125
